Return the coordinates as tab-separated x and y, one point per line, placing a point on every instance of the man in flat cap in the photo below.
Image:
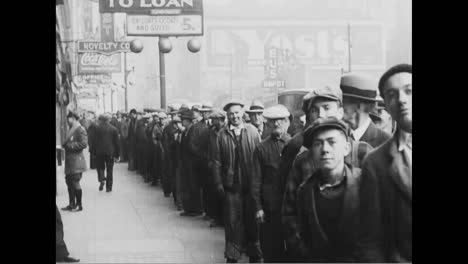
178	187
296	167
159	152
218	121
131	139
198	142
359	100
233	163
124	125
192	193
255	113
170	150
386	184
75	164
143	144
328	201
106	147
266	185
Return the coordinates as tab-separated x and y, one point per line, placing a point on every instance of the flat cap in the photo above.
196	107
276	112
206	107
399	68
328	122
217	113
162	115
187	114
176	119
256	107
328	92
359	86
73	114
147	115
183	107
133	111
231	103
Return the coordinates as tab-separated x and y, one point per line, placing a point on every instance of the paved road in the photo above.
134	223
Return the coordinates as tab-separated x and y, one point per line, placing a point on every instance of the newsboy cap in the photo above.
206	107
359	86
217	113
187	114
231	103
256	107
176	119
320	123
327	92
276	112
162	115
399	68
73	114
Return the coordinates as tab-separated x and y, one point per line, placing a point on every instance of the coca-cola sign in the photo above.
99	63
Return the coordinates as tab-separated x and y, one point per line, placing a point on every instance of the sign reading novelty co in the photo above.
159	17
103	47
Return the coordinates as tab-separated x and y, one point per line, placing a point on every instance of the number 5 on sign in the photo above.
187	25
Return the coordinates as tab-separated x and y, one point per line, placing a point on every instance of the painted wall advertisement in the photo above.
92	63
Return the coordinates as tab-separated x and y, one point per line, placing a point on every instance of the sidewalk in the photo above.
134	223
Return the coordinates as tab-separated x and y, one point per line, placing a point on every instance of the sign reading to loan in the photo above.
164	25
152	7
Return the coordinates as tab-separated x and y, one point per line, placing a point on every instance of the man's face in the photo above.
352	109
398	97
206	115
256	118
186	123
322	107
235	114
180	126
70	121
217	122
329	149
386	122
196	115
279	126
132	115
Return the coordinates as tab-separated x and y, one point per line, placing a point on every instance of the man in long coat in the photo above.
158	154
75	164
131	140
232	169
170	157
192	199
386	185
267	185
124	125
106	147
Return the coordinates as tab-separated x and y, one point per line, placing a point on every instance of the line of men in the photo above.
340	190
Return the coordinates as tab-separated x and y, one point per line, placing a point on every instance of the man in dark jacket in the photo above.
75	163
328	201
218	120
142	145
169	146
106	147
255	113
192	199
158	155
359	100
233	163
123	130
295	164
267	186
199	141
131	140
386	185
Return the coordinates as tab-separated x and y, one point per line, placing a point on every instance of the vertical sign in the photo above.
107	27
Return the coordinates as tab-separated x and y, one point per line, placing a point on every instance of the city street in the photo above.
134	223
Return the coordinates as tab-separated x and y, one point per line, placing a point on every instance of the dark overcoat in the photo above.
74	144
375	136
386	207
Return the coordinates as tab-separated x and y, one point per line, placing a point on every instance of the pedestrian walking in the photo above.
266	185
386	185
233	163
359	100
75	164
328	201
106	147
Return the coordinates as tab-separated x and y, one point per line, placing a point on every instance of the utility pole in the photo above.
162	78
126	81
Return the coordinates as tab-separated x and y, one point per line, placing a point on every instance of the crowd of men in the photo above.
339	190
